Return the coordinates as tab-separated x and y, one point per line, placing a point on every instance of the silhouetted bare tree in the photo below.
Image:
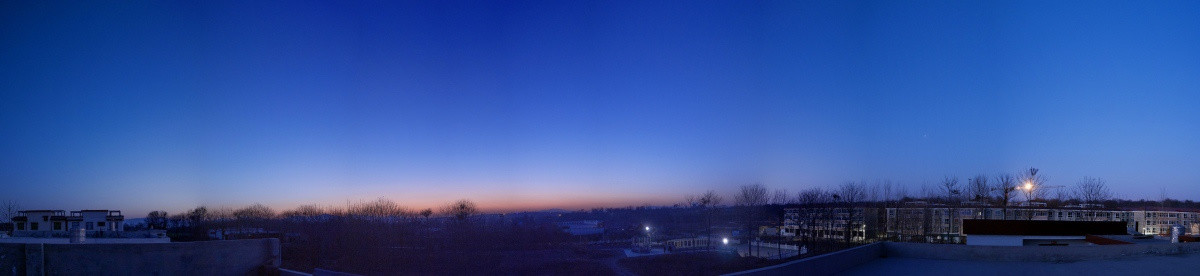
156	220
461	210
307	212
1032	184
708	203
978	189
380	209
780	197
953	193
812	203
255	211
980	193
1092	190
1006	188
751	198
8	210
850	194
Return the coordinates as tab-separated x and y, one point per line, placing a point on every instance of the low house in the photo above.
1040	232
60	221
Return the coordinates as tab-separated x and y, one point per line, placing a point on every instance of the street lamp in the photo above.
1028	186
725	241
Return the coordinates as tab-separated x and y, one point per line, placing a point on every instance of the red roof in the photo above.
1098	240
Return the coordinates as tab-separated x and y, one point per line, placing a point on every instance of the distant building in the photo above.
581	227
84	226
919	221
1159	222
60	221
854	224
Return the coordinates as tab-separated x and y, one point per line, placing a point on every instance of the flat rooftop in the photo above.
1185	264
1131	239
897	258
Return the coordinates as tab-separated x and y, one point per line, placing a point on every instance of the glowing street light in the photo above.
725	241
1028	185
647	228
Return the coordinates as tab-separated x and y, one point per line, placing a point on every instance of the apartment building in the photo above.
1159	222
930	222
853	223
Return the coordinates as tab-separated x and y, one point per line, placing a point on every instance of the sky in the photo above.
525	105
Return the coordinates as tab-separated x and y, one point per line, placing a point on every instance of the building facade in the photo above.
836	223
927	222
61	221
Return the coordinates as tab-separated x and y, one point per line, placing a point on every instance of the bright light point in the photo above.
725	241
647	228
1028	186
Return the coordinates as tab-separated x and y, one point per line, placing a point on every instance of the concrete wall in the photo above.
85	241
1033	253
826	264
234	257
12	259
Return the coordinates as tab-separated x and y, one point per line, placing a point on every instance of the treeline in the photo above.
1001	189
378	235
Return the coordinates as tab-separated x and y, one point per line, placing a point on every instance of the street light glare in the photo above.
647	228
725	241
1028	186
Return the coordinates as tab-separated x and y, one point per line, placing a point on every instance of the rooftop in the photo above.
897	258
1043	227
1145	265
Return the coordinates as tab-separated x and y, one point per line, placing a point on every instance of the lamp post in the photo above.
649	237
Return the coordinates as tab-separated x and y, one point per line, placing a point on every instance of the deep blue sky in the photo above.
152	105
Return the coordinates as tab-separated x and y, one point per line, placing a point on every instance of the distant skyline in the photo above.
536	105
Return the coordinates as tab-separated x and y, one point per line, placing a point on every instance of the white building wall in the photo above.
41	219
97	219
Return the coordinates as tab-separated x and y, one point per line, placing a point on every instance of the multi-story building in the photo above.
59	220
854	224
928	222
1160	222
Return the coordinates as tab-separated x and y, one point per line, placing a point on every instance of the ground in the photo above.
1149	265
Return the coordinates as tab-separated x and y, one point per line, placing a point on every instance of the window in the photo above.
100	224
45	218
89	226
57	225
33	226
74	224
21	226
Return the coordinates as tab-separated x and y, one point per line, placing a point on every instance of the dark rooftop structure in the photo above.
1043	227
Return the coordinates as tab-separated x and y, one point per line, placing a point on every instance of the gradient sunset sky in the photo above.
573	104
